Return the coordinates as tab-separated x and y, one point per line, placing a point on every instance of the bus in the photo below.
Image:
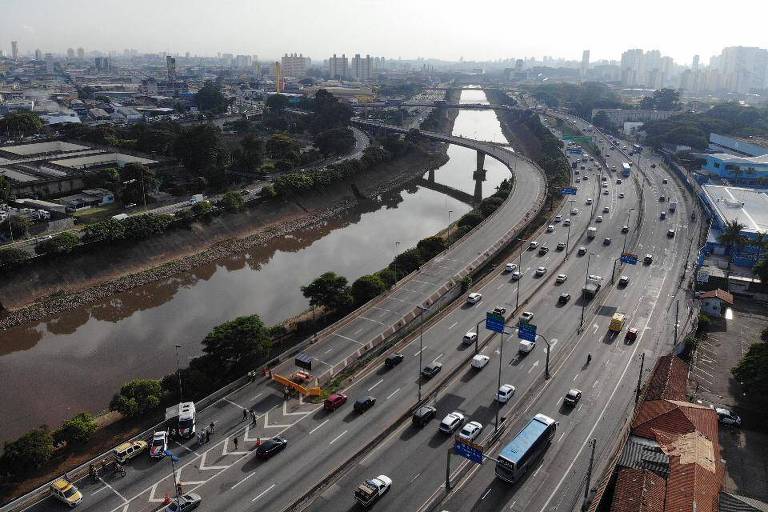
625	167
527	446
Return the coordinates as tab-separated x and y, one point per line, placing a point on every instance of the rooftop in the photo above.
736	159
717	294
40	148
85	162
745	205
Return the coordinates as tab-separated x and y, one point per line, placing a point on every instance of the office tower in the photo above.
70	53
170	64
49	64
38	54
695	63
360	68
743	68
102	64
15	50
584	63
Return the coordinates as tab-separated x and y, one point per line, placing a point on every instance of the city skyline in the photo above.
426	30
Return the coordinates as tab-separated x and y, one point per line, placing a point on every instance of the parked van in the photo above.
187	419
591	232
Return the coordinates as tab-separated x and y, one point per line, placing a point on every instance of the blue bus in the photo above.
625	167
527	446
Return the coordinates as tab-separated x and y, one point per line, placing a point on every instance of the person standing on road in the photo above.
245	414
234	440
207	435
253	417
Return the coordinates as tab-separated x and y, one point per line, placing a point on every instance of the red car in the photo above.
334	401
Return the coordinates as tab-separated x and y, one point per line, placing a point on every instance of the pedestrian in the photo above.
245	414
207	435
253	417
234	440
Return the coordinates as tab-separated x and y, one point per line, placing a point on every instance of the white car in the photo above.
510	267
504	393
574	211
605	192
533	245
159	444
474	298
589	201
550	228
606	209
471	430
727	417
567	222
599	218
469	338
558	218
560	279
526	317
451	422
526	346
516	275
540	271
479	361
621	195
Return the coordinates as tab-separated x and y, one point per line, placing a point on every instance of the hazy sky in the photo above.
446	29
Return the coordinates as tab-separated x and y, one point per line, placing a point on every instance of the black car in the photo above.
431	370
393	360
572	397
499	310
564	298
423	415
543	250
365	403
270	447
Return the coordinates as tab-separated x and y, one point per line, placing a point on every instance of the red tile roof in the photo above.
669	379
717	294
638	490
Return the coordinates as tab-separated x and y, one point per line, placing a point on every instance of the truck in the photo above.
672	206
617	323
369	492
625	169
591	286
591	232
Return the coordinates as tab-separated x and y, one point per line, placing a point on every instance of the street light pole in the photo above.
449	226
394	262
519	269
584	302
421	342
178	372
501	361
568	240
624	249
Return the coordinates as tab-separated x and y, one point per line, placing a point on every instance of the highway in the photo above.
230	478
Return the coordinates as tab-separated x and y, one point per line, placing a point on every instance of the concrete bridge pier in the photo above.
477	196
431	176
480	160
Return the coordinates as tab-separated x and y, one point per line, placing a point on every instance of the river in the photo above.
75	361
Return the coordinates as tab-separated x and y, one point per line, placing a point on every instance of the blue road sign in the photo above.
629	258
526	332
472	452
568	191
494	322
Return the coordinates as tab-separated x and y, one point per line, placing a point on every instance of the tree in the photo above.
28	453
407	261
106	178
431	247
232	201
251	153
490	205
335	141
137	397
202	209
268	192
602	120
662	99
18	226
201	149
752	372
282	146
63	243
12	255
761	270
470	219
238	345
210	99
78	429
138	181
329	112
329	290
277	103
732	237
20	124
366	288
5	190
106	231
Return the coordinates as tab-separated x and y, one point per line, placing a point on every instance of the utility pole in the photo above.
640	378
421	343
568	240
585	504
584	302
178	372
677	316
449	226
448	470
519	269
501	361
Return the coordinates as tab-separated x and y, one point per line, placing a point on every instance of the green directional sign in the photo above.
578	138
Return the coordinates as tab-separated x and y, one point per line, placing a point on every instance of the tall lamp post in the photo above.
394	262
624	249
449	226
178	372
568	240
586	278
422	309
519	269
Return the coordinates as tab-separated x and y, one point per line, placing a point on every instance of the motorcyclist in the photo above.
589	358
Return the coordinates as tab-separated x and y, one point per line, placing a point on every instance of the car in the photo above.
423	415
270	447
621	195
185	502
470	431
653	166
499	310
582	251
575	211
586	177
159	444
550	228
66	492
479	361
625	229
393	360
474	298
661	199
589	201
606	209
516	275
469	338
540	271
560	246
335	401
648	259
558	218
631	335
606	241
572	397
604	178
451	422
126	451
510	267
567	222
543	250
664	181
599	218
623	280
670	233
561	278
605	185
607	155
504	393
526	317
618	181
578	180
431	370
533	245
363	404
605	192
564	298
727	417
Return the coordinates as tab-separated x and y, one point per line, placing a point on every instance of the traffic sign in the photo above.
526	332
494	322
568	191
629	258
468	450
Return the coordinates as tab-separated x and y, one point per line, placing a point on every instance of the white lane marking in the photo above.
415	477
264	492
243	480
98	490
485	495
420	351
533	366
371	320
317	427
113	490
393	393
329	349
575	377
596	328
438	357
358	331
257	396
338	437
347	338
233	403
380	381
561	437
500	286
454	324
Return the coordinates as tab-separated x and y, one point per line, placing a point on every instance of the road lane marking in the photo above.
98	490
561	437
454	324
485	495
233	403
414	478
264	492
393	393
438	357
500	286
113	490
347	338
338	437
358	331
257	396
317	427
421	350
596	328
380	381
329	349
243	480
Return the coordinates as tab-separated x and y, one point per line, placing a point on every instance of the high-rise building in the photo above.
695	63
743	68
70	53
295	65
15	50
360	68
103	64
49	63
80	53
584	63
38	54
278	78
243	61
338	67
170	64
